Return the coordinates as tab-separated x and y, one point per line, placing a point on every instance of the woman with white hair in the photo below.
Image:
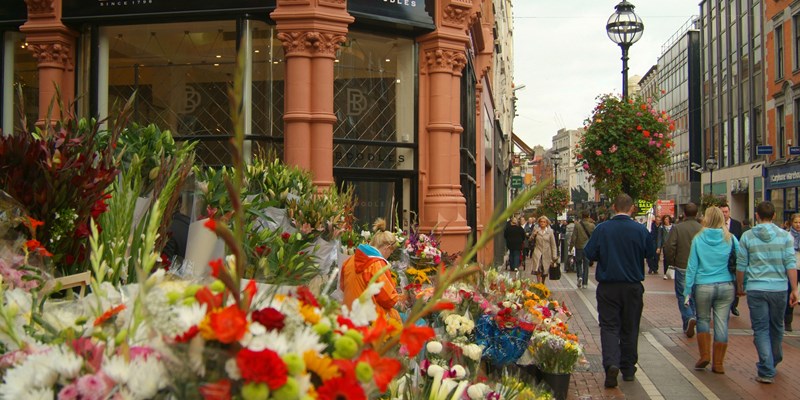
544	248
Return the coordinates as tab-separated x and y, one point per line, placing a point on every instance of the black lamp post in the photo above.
624	28
711	165
555	160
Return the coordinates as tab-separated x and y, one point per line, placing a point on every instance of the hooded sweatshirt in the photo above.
358	270
765	254
708	259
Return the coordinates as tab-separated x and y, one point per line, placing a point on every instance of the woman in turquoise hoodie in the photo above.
710	283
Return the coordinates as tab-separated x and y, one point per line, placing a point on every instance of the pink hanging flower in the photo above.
586	166
612	149
652	142
608	171
598	152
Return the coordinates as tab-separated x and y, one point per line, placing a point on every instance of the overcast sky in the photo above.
565	59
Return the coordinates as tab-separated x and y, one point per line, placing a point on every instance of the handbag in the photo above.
732	259
554	271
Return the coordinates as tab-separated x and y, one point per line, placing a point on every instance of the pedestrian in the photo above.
676	253
544	249
515	237
565	249
580	236
710	283
765	267
794	230
620	246
527	250
652	262
663	232
746	225
361	268
735	228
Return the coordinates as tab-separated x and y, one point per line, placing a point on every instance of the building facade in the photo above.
569	176
393	97
733	101
782	84
679	94
648	85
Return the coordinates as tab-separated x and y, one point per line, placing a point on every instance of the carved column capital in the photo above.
458	14
311	42
37	8
445	60
334	3
52	54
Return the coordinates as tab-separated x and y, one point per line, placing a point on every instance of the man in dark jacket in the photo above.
735	228
515	237
620	246
676	253
652	263
580	236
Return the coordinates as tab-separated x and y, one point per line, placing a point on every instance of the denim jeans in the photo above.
689	312
766	318
716	298
581	266
513	258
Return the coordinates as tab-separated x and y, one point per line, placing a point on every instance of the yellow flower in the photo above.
321	366
310	314
205	329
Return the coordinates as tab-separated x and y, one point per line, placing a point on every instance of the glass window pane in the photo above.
23	73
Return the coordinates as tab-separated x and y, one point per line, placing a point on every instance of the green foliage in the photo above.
277	183
149	145
326	214
554	201
626	146
711	200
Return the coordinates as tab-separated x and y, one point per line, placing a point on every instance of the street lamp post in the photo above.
624	28
711	165
555	160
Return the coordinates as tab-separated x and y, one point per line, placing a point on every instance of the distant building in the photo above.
570	175
679	90
649	84
733	100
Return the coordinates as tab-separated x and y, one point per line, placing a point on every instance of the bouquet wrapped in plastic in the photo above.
502	345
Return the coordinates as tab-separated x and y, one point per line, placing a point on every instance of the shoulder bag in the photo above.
554	271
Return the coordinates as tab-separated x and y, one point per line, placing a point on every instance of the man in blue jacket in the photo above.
765	267
620	246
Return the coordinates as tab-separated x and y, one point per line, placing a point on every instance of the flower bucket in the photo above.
558	383
202	246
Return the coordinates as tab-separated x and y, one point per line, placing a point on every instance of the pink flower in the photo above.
586	166
660	119
612	149
652	142
140	351
658	144
644	173
94	386
608	171
69	392
598	152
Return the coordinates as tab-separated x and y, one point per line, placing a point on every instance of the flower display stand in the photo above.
558	383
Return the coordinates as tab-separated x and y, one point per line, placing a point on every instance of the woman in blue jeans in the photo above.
710	283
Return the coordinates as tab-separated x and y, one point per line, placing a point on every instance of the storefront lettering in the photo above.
789	176
411	3
356	102
113	3
362	156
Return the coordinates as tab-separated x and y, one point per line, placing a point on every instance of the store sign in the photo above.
93	9
794	150
516	182
784	176
764	150
407	12
665	207
643	206
347	155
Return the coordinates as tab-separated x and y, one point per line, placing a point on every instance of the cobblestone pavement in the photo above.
667	356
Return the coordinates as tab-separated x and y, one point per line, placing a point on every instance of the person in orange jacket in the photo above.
368	260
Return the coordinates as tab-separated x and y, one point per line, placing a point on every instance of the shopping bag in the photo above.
554	271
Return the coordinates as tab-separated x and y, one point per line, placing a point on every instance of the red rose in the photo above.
285	236
270	318
305	296
262	366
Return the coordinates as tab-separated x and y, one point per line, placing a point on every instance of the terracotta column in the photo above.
311	33
53	47
442	58
484	45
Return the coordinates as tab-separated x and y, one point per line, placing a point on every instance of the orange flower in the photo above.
380	329
32	244
215	265
211	224
33	223
414	337
229	324
384	369
108	314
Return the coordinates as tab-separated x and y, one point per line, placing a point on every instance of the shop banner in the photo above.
665	207
406	12
783	176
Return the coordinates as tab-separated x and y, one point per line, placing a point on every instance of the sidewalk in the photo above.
667	356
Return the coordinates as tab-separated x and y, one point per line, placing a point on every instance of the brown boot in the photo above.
719	357
704	344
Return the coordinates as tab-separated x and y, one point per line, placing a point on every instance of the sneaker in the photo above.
611	376
689	331
580	285
666	276
629	377
761	379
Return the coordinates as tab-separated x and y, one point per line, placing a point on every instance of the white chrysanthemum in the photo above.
189	316
117	369
478	391
434	347
146	378
306	339
272	340
45	375
17	380
304	383
39	394
196	362
232	369
65	362
473	352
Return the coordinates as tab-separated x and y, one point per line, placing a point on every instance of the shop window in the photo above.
374	103
19	71
780	129
778	52
181	74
